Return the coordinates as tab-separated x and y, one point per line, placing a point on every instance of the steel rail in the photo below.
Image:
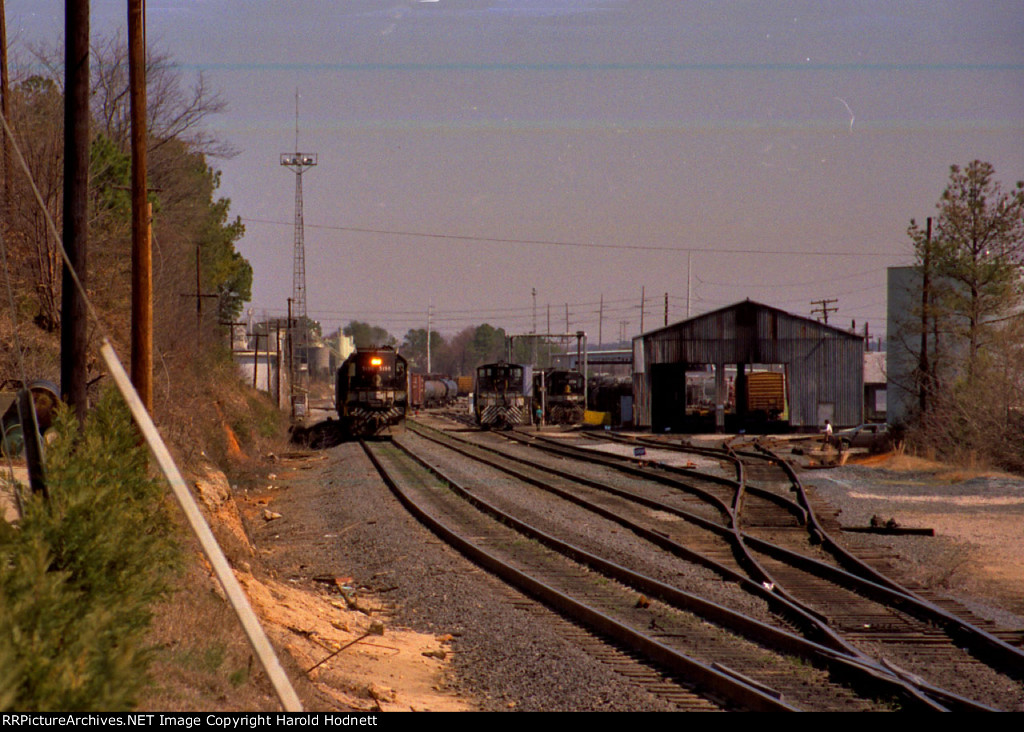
616	462
836	659
728	685
813	623
980	640
755	586
881	593
877	586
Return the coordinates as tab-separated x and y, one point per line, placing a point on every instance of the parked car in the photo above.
875	436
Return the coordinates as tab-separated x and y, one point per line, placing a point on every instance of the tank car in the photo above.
426	390
439	391
560	394
502	395
372	391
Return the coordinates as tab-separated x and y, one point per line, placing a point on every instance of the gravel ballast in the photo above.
339	520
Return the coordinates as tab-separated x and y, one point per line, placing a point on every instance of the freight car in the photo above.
372	392
426	390
502	395
766	395
439	391
560	395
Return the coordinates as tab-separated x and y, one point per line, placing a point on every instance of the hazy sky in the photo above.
783	145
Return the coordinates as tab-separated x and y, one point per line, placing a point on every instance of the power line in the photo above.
825	308
583	245
773	285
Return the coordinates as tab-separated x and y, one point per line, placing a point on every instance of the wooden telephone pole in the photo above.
5	107
824	309
142	252
73	321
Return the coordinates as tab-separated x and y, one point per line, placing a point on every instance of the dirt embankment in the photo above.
342	643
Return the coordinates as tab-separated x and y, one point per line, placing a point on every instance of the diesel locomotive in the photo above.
372	392
560	394
502	395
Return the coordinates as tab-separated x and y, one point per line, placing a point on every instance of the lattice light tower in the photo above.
299	162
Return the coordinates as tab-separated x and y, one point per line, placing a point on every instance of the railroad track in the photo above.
610	607
528	567
1002	647
877	629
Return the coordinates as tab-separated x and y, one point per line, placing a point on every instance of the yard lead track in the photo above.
866	622
994	650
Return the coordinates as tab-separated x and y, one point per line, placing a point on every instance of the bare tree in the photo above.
37	115
175	110
188	215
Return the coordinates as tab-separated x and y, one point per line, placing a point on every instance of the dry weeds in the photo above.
898	462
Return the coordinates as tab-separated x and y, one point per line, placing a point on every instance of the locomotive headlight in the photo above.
375	361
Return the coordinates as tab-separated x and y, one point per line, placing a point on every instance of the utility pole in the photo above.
567	317
549	330
824	309
73	322
666	308
643	303
199	295
922	364
5	109
600	324
534	340
688	284
142	252
428	336
291	357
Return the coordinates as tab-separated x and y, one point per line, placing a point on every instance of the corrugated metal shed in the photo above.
824	365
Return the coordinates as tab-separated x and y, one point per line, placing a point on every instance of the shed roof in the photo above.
747	305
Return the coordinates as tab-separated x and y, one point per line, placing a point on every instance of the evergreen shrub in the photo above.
80	571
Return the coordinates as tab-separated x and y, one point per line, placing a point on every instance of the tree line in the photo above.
455	356
193	232
81	569
966	332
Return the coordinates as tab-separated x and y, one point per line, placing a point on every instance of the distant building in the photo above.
822	368
875	386
903	343
341	347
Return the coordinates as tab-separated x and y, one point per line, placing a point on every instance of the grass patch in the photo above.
238	677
